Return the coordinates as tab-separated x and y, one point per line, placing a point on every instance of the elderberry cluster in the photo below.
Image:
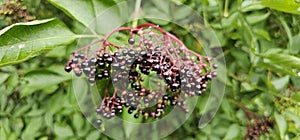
94	68
259	127
180	73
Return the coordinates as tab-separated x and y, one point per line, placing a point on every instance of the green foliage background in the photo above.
260	40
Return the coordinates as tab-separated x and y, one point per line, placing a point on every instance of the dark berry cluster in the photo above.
94	68
259	127
180	72
15	11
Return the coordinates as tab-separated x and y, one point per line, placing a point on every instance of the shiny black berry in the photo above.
68	68
131	41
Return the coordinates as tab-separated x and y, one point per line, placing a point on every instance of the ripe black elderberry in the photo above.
131	41
161	54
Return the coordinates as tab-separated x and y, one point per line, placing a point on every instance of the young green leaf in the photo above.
63	130
281	124
39	79
283	59
232	133
3	77
32	128
289	6
94	135
22	41
83	13
251	6
87	12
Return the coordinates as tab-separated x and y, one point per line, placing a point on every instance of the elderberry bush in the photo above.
180	73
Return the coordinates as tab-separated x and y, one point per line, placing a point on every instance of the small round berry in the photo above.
99	76
117	54
143	53
76	55
131	53
81	56
105	55
105	74
198	87
133	85
145	71
75	61
86	71
136	115
68	68
138	87
85	64
173	102
124	52
165	97
127	104
215	66
99	121
115	80
133	104
214	74
92	62
130	111
198	92
92	80
109	60
131	41
78	73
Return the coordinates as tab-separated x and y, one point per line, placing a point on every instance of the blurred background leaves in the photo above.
260	40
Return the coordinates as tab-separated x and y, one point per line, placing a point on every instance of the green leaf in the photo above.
32	128
3	102
86	13
80	10
232	133
276	68
281	124
57	52
250	5
294	49
18	126
295	118
48	118
97	90
3	77
283	59
13	136
3	133
181	13
281	83
162	5
257	17
63	130
152	16
131	124
22	41
94	135
13	80
289	6
22	110
85	130
229	21
288	32
262	33
227	108
35	112
40	79
77	121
